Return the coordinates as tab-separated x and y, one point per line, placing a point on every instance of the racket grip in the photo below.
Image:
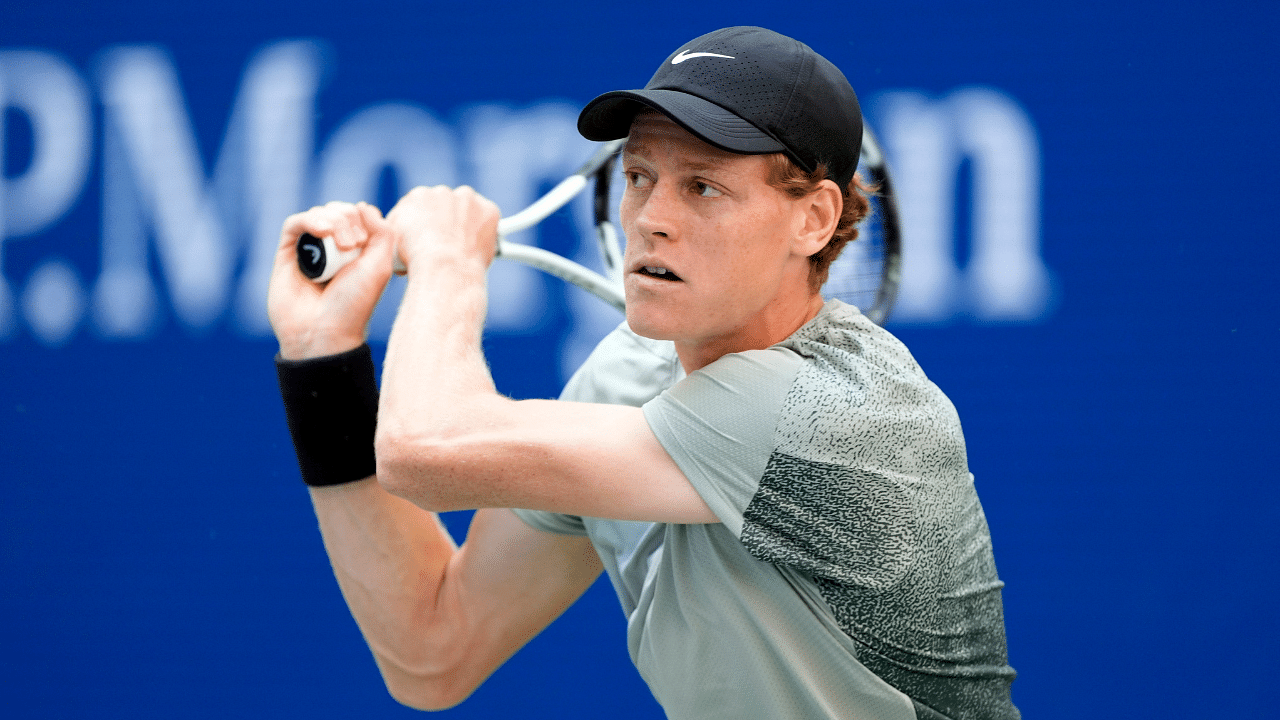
319	259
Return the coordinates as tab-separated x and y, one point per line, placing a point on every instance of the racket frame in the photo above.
877	168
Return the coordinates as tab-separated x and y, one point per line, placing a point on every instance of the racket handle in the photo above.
320	259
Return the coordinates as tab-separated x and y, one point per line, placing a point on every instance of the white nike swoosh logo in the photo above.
686	55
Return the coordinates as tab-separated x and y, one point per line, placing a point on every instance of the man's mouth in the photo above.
658	272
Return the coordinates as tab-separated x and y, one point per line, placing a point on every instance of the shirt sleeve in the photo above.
554	523
718	425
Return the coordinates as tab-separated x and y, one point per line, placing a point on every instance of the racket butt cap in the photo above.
319	259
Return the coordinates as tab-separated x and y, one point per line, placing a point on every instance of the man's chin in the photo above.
649	327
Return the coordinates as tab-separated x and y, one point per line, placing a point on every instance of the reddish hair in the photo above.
788	177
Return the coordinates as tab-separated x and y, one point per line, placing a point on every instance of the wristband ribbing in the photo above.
331	404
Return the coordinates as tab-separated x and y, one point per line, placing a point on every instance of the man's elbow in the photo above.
426	697
411	466
426	692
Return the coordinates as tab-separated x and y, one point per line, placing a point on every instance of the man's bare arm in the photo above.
440	620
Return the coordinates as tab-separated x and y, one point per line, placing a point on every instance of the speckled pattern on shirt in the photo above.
868	491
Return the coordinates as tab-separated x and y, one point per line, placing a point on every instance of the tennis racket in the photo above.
865	275
867	272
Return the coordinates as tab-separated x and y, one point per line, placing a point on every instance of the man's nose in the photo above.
658	214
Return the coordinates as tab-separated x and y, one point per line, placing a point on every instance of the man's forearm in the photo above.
434	348
436	383
440	620
390	559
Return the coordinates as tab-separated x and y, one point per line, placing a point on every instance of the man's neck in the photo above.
773	329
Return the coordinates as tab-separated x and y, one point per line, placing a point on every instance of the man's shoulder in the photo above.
841	331
860	394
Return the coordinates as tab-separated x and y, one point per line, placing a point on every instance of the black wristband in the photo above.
331	404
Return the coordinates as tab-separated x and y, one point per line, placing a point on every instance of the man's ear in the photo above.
820	214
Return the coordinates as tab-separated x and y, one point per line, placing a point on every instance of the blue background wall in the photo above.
158	553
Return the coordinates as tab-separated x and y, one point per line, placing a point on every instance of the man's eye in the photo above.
705	190
637	180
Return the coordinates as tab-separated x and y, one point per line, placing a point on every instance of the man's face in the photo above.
709	256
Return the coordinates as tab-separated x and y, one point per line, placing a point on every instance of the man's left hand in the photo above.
438	223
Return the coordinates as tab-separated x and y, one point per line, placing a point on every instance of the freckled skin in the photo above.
739	246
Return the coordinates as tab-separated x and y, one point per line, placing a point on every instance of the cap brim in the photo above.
609	117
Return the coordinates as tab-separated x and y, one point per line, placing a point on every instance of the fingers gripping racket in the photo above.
865	275
319	258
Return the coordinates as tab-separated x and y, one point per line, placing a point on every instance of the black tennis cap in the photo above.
746	90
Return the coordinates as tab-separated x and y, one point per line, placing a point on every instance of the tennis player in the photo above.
779	495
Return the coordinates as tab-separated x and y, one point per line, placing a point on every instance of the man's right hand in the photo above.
312	320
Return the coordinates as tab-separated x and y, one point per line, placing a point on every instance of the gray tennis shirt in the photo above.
851	574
